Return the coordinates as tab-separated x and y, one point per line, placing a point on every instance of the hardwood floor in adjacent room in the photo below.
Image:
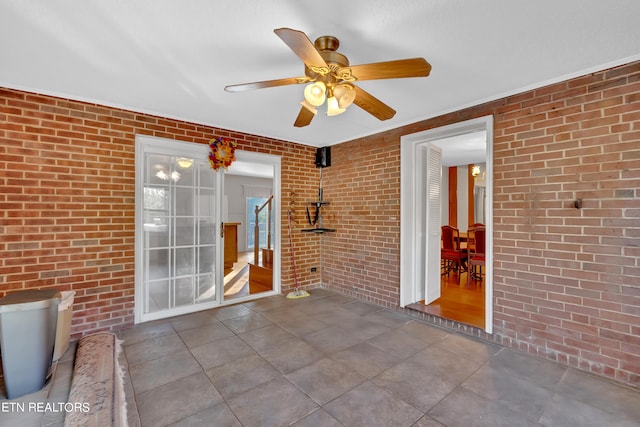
457	302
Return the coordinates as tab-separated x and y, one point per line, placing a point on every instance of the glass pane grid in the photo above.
179	233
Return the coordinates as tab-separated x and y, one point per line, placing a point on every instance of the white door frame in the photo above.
412	196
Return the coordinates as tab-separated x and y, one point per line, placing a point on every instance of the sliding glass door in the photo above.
178	241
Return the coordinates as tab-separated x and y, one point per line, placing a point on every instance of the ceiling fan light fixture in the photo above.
345	94
315	93
333	109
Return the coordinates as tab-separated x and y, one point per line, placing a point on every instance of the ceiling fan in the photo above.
329	77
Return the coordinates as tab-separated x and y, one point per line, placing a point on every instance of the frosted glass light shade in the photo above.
345	94
315	93
333	109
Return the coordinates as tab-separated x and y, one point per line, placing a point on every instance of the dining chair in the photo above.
452	257
476	247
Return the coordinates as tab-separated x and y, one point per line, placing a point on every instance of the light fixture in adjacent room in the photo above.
184	162
163	175
475	170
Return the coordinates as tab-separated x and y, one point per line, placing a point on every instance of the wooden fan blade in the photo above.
300	44
304	117
243	87
414	67
373	105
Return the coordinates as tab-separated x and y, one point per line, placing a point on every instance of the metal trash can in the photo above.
28	322
63	328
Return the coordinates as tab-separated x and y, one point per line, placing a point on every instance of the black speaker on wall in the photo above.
323	157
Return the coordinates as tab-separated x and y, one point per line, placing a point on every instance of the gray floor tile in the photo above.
21	418
567	412
600	393
240	375
368	406
322	292
263	338
145	331
133	417
463	408
440	361
157	372
359	307
425	333
336	315
305	326
291	355
325	380
427	421
517	394
171	402
468	347
411	382
153	348
313	307
276	403
218	415
231	312
339	299
219	352
265	304
388	318
543	373
193	320
398	343
284	315
331	340
366	359
363	329
205	334
247	323
316	419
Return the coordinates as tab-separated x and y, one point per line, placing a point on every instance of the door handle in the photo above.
222	230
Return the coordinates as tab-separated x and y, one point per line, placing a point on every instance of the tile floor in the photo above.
331	360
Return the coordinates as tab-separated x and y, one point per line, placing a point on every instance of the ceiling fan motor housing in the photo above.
327	47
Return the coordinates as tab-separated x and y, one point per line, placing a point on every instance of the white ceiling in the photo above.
173	58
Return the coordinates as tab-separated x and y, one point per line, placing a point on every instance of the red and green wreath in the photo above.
223	153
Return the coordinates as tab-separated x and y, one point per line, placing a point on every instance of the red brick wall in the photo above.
67	200
566	280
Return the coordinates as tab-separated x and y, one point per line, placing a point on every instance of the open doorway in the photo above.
422	161
251	218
